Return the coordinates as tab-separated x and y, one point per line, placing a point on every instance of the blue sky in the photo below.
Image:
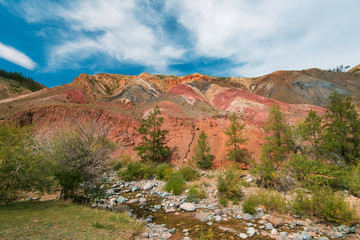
55	41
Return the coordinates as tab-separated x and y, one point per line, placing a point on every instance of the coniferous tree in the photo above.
342	130
234	132
202	156
153	147
310	131
278	142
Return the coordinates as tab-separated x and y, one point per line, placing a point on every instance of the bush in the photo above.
228	185
326	205
271	177
250	204
194	194
136	171
316	173
271	200
163	171
188	173
175	184
22	167
118	163
223	201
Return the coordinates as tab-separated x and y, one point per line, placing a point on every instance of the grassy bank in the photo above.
62	220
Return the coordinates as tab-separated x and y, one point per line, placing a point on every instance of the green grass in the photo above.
62	220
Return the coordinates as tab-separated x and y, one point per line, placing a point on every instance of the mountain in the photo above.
188	104
355	69
311	86
14	84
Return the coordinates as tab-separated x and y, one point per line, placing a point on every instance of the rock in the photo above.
138	195
343	229
209	223
269	226
189	207
110	192
132	201
323	238
135	189
170	210
301	223
218	218
164	194
117	190
259	212
121	199
251	231
157	207
305	236
243	235
202	216
274	232
142	200
211	207
148	186
336	235
239	217
248	217
166	235
219	212
172	231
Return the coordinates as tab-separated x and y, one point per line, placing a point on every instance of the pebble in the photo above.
243	235
248	217
251	231
189	207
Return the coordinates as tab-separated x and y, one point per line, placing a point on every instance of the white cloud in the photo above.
110	29
271	35
259	36
15	56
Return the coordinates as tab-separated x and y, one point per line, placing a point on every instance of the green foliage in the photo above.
271	200
137	170
228	185
202	156
175	184
79	155
234	132
223	201
272	177
27	82
22	168
188	173
350	179
163	171
342	130
194	194
153	147
310	131
326	205
312	173
278	142
118	163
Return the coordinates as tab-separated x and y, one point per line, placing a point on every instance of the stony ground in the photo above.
172	217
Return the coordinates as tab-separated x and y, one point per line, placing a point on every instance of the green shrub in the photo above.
351	180
163	171
175	184
136	171
271	200
118	163
223	201
250	204
189	173
326	205
228	185
194	194
271	177
312	173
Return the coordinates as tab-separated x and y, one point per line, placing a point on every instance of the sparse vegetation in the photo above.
137	170
188	173
175	184
271	200
163	171
27	82
228	185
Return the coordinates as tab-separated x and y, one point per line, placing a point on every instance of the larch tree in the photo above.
153	147
203	157
235	133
